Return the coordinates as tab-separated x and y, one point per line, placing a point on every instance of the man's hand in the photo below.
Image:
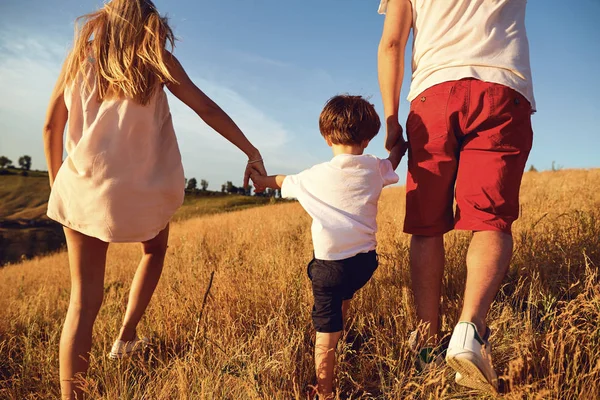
393	134
397	152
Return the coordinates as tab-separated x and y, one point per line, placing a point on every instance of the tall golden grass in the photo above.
254	338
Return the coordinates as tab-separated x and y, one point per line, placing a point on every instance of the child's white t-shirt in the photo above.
341	197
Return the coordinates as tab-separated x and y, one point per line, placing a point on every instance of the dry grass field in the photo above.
252	338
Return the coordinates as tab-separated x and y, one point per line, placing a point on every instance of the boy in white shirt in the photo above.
341	196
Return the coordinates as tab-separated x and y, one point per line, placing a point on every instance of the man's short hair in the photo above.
349	120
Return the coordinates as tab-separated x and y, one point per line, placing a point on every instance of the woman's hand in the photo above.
255	166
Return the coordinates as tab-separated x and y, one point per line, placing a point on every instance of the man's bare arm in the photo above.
396	28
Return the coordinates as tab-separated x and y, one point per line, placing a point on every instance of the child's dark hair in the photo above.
348	120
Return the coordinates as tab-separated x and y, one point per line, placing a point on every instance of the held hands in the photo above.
397	148
271	182
259	180
393	133
255	168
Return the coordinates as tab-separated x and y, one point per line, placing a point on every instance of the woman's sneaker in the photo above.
122	349
470	356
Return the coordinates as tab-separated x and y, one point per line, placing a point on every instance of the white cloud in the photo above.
29	66
265	132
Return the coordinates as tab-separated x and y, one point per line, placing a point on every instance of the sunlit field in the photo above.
250	336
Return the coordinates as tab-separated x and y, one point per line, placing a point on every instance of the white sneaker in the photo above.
470	356
121	349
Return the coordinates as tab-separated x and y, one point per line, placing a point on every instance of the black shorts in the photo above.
336	281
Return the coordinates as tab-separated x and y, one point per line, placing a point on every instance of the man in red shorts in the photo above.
469	136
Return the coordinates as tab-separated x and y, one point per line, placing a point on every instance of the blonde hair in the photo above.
126	40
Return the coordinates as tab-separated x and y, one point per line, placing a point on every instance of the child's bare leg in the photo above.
325	345
144	283
87	259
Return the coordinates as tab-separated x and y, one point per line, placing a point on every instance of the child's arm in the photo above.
186	91
54	127
397	152
273	181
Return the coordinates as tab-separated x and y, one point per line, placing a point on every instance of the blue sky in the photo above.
272	65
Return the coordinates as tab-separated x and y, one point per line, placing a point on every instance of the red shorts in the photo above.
468	139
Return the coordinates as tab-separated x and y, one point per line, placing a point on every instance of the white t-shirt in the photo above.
341	197
482	39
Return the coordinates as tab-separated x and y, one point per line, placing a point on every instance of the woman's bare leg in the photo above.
87	259
144	283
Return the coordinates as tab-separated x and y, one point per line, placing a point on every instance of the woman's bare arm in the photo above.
54	127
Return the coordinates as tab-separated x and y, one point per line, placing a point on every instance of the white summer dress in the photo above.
122	180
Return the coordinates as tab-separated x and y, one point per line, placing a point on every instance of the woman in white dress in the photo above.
122	179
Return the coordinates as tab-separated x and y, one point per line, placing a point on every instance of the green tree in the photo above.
25	162
5	162
192	184
204	184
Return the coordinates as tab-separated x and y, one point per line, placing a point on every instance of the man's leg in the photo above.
469	350
487	263
427	270
432	167
492	159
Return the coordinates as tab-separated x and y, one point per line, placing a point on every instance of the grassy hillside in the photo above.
26	197
25	231
23	197
196	206
254	340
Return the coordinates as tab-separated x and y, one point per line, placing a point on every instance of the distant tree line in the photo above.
24	164
191	186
